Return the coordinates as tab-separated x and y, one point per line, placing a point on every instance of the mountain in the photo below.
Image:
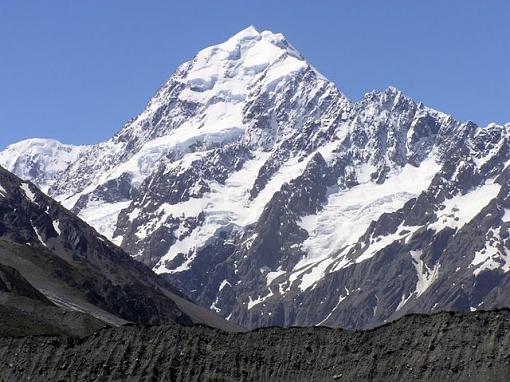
254	185
50	256
442	347
40	160
26	311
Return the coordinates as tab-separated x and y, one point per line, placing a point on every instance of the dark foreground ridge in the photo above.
442	347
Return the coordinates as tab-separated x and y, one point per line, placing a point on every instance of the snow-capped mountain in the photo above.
40	160
251	182
58	259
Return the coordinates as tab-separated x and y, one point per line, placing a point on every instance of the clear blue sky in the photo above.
77	70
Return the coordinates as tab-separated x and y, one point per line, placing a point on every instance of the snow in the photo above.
226	206
259	57
340	299
56	226
282	70
426	276
39	237
363	173
506	216
403	301
314	273
252	303
227	69
25	187
48	156
3	192
221	122
223	284
461	209
271	276
494	255
348	213
103	216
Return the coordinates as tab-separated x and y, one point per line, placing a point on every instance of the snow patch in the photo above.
506	215
494	255
223	284
403	301
340	299
461	209
39	237
270	276
103	216
252	303
426	276
25	187
56	226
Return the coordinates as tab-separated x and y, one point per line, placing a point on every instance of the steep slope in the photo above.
444	248
253	184
442	347
26	311
78	269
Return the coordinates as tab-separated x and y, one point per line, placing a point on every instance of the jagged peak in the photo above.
392	90
389	97
392	96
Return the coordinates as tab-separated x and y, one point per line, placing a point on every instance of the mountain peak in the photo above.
264	44
392	90
225	70
247	32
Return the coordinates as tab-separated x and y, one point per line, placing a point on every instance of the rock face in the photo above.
251	183
442	347
49	256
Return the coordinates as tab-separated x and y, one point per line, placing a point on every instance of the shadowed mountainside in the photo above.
66	262
26	311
